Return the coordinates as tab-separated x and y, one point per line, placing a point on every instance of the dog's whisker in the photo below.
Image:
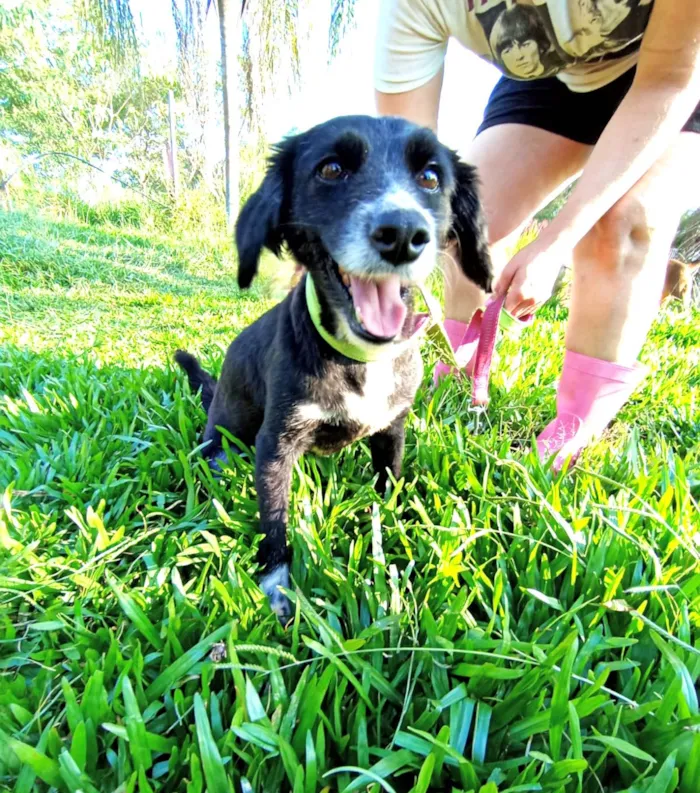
450	268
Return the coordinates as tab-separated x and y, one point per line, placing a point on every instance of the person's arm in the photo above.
664	93
411	45
420	105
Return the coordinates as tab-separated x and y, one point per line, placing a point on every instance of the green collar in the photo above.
346	348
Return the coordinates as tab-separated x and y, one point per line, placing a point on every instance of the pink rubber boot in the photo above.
590	394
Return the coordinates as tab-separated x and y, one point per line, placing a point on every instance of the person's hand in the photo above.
528	278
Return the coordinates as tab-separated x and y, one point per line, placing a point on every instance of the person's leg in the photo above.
520	169
620	266
619	271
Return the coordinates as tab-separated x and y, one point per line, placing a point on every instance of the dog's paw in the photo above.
217	461
279	602
220	460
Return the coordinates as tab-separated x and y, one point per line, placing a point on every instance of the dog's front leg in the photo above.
275	456
387	451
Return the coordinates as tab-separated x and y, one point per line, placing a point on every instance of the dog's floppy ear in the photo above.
261	220
469	226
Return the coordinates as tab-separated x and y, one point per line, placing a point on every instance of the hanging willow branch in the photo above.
342	20
113	24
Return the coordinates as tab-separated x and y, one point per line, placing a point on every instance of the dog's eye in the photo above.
331	171
428	179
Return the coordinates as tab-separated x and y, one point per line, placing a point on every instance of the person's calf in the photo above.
617	280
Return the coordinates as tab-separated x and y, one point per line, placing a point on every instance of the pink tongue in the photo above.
381	309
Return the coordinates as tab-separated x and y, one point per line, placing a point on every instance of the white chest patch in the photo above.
373	409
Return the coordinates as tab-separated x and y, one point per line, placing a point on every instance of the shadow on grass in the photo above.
36	251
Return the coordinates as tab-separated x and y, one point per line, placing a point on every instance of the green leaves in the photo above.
681	672
45	768
385	769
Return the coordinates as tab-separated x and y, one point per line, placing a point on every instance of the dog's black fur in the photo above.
283	389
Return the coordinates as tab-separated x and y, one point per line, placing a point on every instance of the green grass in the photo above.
487	627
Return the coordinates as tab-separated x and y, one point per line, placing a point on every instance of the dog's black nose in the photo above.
399	235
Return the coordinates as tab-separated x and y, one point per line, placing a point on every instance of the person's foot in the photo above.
590	394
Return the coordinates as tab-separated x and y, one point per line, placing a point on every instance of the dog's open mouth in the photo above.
379	307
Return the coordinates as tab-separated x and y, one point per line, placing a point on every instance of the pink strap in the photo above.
484	351
482	331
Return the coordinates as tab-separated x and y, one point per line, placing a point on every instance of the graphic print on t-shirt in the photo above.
539	38
586	29
522	40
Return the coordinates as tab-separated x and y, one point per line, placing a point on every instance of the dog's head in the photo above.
364	204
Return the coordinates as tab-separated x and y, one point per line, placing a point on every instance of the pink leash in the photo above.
489	322
483	329
484	351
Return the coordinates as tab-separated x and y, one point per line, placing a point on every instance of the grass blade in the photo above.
135	613
44	767
560	699
391	764
425	776
481	732
663	778
135	728
214	771
624	747
174	673
365	774
690	778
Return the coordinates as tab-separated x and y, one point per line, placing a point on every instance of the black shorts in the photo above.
549	104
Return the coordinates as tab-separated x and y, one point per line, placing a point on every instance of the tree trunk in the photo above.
229	19
173	145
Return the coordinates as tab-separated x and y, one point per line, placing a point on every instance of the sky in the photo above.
346	86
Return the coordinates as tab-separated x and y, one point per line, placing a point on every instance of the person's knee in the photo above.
619	241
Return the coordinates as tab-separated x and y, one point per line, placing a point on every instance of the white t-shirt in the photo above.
585	43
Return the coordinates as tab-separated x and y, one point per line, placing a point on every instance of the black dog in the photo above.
363	203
